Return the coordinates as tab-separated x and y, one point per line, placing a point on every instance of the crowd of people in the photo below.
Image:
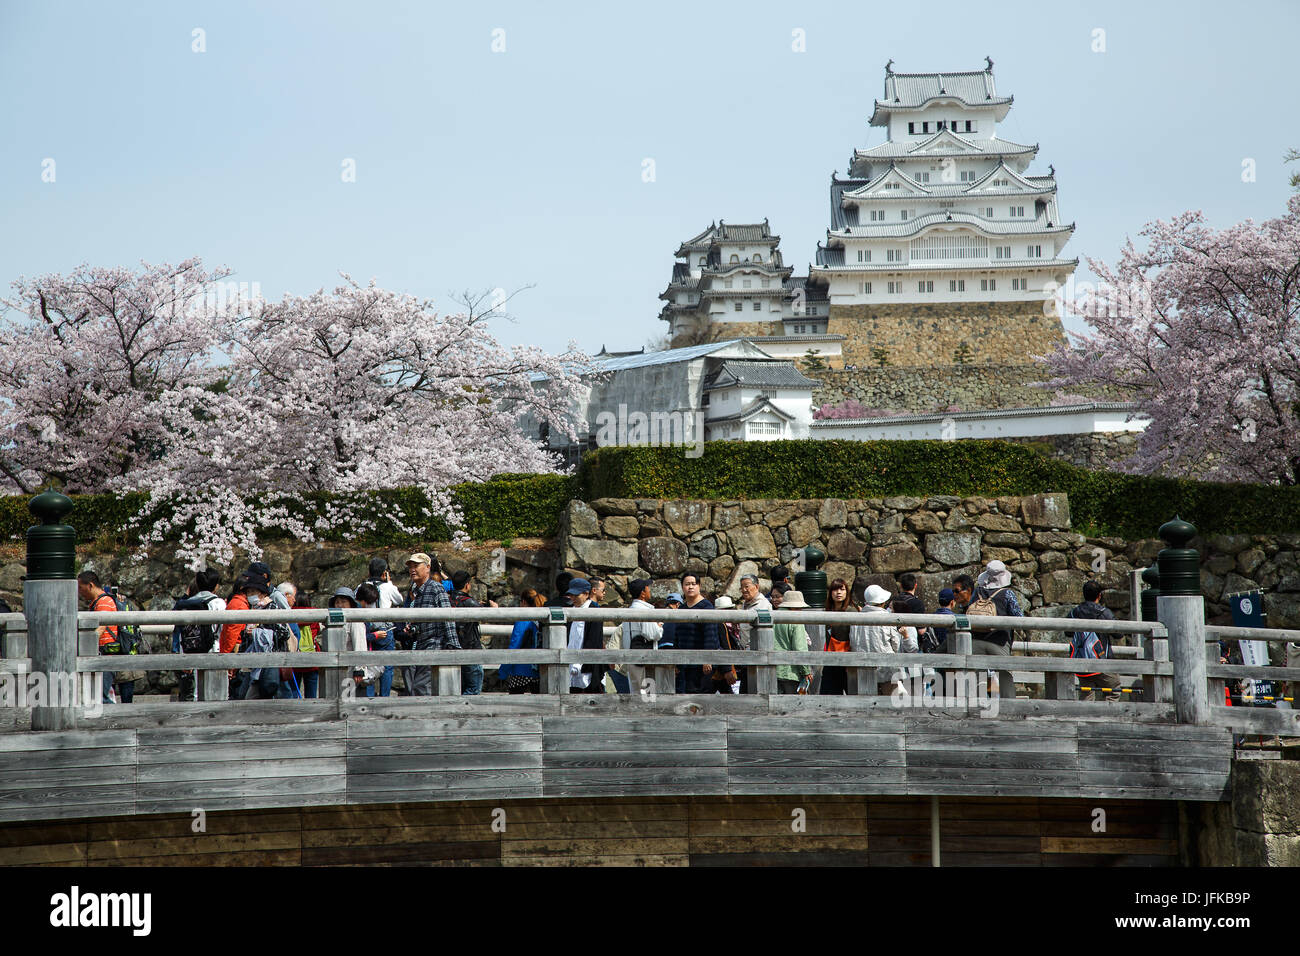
430	587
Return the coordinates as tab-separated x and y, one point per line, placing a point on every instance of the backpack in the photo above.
196	638
1087	644
128	635
985	606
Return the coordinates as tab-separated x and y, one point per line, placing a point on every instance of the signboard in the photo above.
1248	611
557	615
961	622
764	618
336	617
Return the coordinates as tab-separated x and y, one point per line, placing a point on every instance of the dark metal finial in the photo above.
988	67
889	67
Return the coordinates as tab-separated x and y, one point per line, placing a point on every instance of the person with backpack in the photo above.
379	637
426	592
113	639
726	677
993	597
260	682
835	680
906	602
1092	645
354	640
939	635
526	636
197	638
389	595
469	633
639	635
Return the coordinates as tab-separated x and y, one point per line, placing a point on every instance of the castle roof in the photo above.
772	374
924	149
913	91
728	232
910	229
760	404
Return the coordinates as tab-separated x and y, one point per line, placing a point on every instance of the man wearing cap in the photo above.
426	591
639	635
584	678
947	598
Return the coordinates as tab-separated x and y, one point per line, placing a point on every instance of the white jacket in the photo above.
877	638
354	639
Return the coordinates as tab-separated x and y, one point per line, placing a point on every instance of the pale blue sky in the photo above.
478	169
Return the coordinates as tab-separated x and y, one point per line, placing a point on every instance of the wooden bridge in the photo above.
699	752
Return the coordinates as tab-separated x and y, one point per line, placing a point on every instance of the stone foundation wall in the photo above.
722	331
998	333
1260	827
920	389
871	541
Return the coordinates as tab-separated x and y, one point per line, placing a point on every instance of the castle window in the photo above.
1019	285
988	212
1017	211
740	306
911	128
767	283
734	258
925	127
864	288
956	285
903	215
970	126
893	255
726	283
941	125
1001	252
757	257
746	283
877	215
922	177
988	285
1035	252
967	175
925	286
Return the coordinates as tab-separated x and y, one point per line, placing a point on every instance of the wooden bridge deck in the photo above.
173	758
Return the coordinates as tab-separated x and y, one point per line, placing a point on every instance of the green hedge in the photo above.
1132	506
506	506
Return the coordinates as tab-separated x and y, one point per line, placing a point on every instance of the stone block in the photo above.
754	543
958	520
845	546
997	522
1226	543
1143	553
923	522
803	531
1235	584
903	503
1009	506
662	556
1249	560
11	577
1062	587
622	526
895	558
732	587
581	520
1046	511
892	524
942	502
722	566
652	528
953	549
727	516
685	517
1057	540
614	506
1007	556
704	548
1221	563
1006	540
834	513
602	554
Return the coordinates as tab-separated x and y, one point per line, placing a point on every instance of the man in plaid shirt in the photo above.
426	591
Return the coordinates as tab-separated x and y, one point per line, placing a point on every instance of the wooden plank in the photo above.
384	836
790	843
66	740
598	861
416	708
585	846
820	724
62	854
251	858
442	727
249	734
486	743
195	843
264	752
440	763
814	741
31	760
917	742
117	775
1172	748
687	740
1155	762
607	830
1108	844
412	782
25	834
230	770
821	858
403	854
181	824
279	790
612	759
172	803
844	776
700	779
632	725
999	760
489	793
815	758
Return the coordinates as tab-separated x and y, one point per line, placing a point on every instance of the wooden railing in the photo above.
1149	660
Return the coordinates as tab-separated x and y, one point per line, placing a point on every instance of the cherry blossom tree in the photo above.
1201	328
346	391
84	359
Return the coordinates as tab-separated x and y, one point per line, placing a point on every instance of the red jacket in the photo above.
231	633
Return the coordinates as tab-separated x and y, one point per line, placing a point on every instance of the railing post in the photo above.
1181	610
332	679
50	606
1156	690
762	677
448	680
555	677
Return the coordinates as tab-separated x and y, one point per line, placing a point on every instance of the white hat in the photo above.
995	575
793	599
876	596
724	603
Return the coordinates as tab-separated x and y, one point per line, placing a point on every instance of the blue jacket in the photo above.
524	637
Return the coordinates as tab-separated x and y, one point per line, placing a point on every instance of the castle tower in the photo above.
941	246
729	282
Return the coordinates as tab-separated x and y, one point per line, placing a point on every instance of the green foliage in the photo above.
505	506
1132	506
